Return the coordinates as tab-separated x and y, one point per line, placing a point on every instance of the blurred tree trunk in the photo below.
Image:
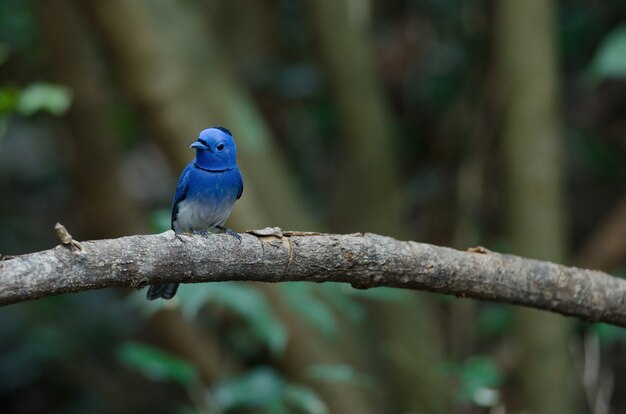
369	195
369	178
176	72
94	154
532	144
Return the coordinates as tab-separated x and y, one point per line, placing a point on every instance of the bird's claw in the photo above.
180	237
225	230
228	231
234	234
202	233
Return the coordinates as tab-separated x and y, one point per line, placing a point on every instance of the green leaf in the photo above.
304	400
339	373
156	364
610	59
244	300
258	388
302	300
479	378
44	97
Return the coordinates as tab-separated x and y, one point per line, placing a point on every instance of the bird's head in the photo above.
215	149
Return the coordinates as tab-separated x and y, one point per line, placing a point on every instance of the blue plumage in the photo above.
206	192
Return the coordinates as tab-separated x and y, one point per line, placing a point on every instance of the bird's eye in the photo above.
220	147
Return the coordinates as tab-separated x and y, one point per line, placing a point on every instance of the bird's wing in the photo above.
240	185
181	191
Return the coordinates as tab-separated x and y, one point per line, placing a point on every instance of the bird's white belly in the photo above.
193	215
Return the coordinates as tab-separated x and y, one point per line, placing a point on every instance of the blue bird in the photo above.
206	193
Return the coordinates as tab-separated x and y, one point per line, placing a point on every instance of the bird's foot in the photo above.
229	232
202	233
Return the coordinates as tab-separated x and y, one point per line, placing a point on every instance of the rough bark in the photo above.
269	255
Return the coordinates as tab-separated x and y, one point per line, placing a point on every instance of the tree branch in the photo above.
269	255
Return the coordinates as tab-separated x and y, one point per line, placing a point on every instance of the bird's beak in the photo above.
199	145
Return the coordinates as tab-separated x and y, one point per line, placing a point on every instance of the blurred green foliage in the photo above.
45	97
302	299
266	391
610	58
160	220
244	300
340	373
261	387
609	335
36	97
494	320
480	378
156	364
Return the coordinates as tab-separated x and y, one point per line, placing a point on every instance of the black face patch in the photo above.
224	130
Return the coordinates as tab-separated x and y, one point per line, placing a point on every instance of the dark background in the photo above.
458	123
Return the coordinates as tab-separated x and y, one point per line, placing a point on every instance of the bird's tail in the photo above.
165	291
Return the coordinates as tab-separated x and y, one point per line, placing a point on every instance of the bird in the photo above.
205	194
